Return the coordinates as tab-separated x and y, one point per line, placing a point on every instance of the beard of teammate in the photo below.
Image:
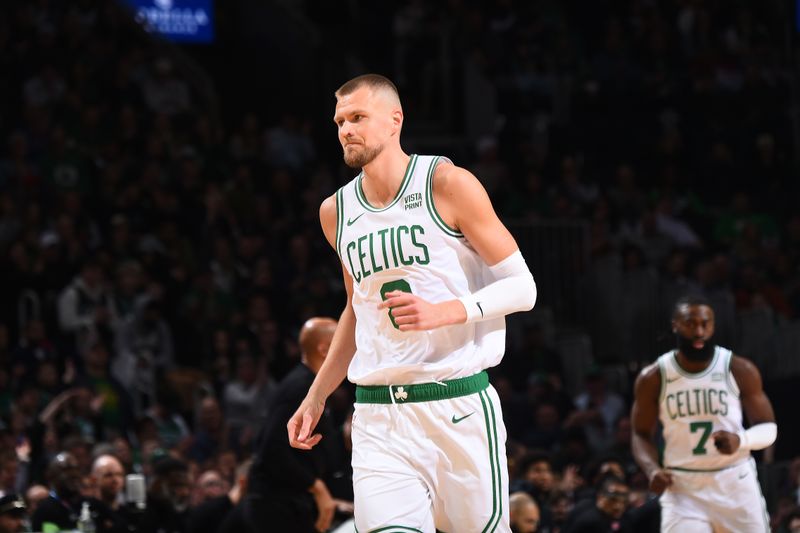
356	158
685	345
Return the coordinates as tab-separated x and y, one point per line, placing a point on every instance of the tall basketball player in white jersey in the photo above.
697	392
430	273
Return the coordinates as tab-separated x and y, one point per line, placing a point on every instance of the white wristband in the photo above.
758	437
513	290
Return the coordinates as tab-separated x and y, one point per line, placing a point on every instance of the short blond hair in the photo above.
376	82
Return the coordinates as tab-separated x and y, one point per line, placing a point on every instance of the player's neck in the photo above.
693	367
383	176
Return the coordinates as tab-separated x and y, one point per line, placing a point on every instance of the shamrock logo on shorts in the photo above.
400	394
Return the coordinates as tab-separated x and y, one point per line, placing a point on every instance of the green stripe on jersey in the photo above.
339	219
694	375
362	198
432	207
730	379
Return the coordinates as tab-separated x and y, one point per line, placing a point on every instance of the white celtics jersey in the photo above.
693	406
407	246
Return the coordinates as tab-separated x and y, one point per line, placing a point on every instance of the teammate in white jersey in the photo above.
707	478
430	272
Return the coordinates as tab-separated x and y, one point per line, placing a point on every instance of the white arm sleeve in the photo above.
513	290
758	437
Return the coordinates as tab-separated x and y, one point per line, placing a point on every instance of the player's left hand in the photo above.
412	313
725	441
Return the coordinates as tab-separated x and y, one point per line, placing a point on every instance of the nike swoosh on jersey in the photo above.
351	221
455	420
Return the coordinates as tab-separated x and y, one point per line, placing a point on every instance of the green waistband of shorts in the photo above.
422	392
704	470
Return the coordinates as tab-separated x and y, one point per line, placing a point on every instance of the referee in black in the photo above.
286	491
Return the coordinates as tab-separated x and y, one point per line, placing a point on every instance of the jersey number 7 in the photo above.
706	427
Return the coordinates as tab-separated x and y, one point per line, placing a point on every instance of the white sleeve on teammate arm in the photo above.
514	290
758	437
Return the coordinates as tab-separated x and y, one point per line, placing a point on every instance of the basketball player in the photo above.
430	273
698	391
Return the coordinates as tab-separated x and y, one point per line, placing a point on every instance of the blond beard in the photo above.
361	158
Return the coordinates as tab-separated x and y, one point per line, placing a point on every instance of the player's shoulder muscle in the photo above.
451	181
648	382
460	197
746	374
327	218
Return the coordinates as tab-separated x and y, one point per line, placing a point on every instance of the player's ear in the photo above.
397	121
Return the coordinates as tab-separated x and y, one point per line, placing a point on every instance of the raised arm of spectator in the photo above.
54	407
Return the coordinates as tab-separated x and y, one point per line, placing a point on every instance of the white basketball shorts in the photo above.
721	501
430	457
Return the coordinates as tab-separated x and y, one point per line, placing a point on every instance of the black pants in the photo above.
271	513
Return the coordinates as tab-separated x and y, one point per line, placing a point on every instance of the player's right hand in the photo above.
303	422
660	481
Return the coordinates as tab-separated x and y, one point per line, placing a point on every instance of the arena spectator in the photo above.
209	484
13	513
598	409
60	509
171	428
145	353
84	307
9	471
524	513
246	398
536	475
111	514
211	431
604	513
168	497
33	496
220	510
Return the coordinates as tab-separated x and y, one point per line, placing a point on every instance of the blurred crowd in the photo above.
156	264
